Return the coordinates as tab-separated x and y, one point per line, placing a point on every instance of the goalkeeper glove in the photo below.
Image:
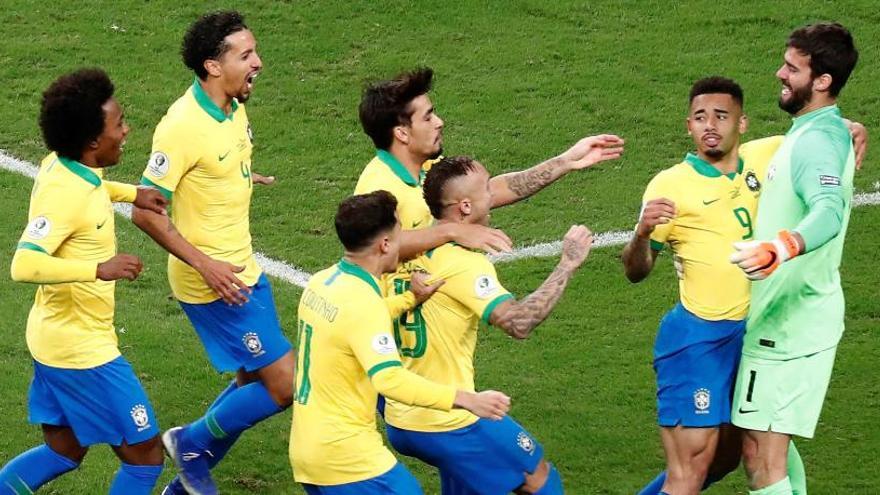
758	259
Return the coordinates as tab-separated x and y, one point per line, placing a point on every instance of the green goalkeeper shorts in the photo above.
782	396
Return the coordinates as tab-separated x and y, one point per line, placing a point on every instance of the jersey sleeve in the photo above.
659	188
374	347
121	192
757	153
476	286
171	158
51	222
818	166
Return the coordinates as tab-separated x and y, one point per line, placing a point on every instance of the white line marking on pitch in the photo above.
299	277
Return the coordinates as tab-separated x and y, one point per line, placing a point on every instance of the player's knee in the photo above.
146	453
545	480
281	391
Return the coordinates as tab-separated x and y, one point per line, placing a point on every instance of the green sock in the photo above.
781	487
796	474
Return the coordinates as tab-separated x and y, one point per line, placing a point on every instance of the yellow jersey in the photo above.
70	218
201	159
439	345
345	347
713	210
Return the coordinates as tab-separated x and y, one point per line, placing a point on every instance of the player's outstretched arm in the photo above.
141	196
487	239
638	257
519	318
219	275
514	186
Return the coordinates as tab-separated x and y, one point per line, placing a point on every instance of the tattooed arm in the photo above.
219	275
519	318
512	187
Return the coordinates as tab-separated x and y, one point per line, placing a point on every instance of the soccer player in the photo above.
83	391
400	119
202	159
699	207
796	317
347	354
474	456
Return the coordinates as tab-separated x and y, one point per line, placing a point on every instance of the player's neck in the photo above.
217	94
411	162
727	164
372	264
818	101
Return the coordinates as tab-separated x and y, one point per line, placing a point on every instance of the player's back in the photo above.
334	438
439	342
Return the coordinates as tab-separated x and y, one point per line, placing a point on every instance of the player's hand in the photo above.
220	277
592	150
149	198
655	212
487	239
486	404
265	180
860	140
576	246
758	259
127	266
420	288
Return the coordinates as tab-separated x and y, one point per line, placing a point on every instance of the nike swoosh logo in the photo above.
707	203
225	155
101	224
743	411
189	456
416	224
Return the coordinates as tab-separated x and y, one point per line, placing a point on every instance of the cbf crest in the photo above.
140	417
252	341
702	400
525	442
752	181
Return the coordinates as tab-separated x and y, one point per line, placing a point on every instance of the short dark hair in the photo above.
440	174
717	85
205	39
385	104
71	113
831	50
363	217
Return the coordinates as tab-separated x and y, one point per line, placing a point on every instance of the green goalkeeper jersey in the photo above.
798	310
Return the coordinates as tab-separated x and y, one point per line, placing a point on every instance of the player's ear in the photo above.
465	206
385	245
401	133
687	125
822	83
213	67
743	124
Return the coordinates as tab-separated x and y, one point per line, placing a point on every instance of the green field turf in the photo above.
516	82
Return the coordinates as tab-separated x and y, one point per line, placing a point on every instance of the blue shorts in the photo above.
105	404
696	362
236	337
488	457
397	481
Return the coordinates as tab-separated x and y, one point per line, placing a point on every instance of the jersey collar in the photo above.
208	104
705	168
814	115
399	170
80	170
350	268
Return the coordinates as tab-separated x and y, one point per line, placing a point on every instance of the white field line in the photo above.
299	277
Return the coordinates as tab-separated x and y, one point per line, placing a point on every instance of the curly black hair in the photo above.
71	114
205	39
717	85
385	104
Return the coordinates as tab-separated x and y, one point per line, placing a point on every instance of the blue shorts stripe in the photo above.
397	481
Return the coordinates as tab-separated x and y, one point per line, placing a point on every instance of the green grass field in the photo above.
516	82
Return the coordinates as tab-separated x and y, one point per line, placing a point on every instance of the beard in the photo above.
798	99
716	153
